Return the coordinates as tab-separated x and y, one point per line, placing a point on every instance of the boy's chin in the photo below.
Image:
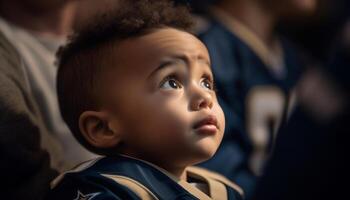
206	149
203	156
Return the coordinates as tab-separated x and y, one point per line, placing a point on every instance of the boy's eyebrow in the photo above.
173	59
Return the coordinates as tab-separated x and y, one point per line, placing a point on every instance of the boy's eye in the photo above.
170	83
206	83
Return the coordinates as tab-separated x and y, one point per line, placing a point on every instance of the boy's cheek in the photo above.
221	117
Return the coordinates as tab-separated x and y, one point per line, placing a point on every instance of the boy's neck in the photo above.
56	22
253	15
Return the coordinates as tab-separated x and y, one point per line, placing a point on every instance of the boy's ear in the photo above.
99	130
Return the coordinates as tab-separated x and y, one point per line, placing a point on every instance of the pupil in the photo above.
207	85
173	84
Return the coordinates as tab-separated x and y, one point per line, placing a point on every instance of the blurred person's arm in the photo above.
25	167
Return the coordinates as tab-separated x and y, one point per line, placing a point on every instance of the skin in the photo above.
160	88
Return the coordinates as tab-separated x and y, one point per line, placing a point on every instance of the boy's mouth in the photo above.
208	125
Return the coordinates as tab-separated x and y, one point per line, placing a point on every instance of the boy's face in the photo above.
161	96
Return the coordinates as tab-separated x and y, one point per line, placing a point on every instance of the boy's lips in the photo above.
208	125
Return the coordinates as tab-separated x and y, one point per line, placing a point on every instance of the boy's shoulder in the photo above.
123	178
110	178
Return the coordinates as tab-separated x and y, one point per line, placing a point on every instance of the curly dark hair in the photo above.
88	51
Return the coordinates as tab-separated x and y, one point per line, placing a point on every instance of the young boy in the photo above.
138	88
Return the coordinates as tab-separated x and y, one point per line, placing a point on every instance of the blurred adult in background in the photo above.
36	28
310	157
25	167
255	70
30	123
309	160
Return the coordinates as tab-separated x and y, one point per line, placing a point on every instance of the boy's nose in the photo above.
201	99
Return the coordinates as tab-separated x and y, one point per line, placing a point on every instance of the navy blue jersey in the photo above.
127	178
252	88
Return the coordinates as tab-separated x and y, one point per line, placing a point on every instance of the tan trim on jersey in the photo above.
250	38
193	190
217	190
143	192
215	176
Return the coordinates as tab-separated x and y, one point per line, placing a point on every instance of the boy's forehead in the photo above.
134	60
148	50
